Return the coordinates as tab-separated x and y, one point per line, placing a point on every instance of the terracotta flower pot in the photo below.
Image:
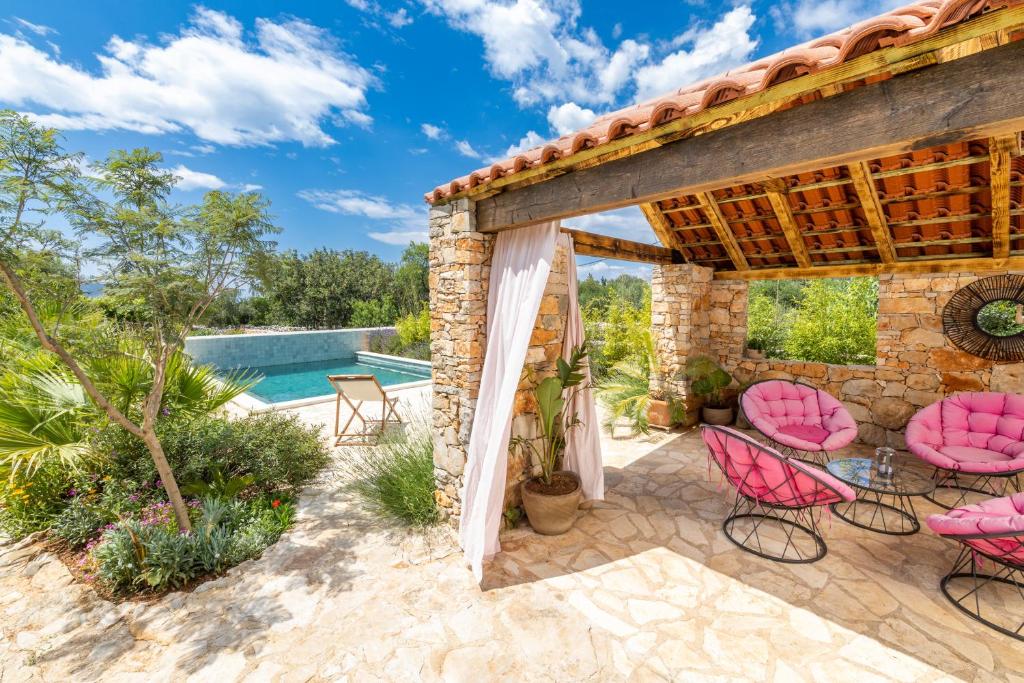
552	514
659	414
717	416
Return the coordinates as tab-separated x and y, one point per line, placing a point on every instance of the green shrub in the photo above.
396	478
150	553
414	328
79	523
30	505
277	450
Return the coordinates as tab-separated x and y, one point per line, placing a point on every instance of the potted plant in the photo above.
626	392
552	498
708	380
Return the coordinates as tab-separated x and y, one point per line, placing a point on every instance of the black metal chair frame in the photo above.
984	484
816	458
793	519
967	566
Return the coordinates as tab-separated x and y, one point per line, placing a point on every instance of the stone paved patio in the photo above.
646	587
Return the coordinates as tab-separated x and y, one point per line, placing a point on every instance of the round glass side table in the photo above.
884	503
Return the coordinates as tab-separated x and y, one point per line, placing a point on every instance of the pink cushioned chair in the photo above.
802	421
991	531
977	436
770	487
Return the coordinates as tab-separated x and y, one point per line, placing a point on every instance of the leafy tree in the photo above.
411	288
178	261
766	325
373	313
835	322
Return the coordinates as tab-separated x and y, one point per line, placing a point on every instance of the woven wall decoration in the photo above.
960	318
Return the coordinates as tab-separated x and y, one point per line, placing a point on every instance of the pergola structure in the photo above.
891	148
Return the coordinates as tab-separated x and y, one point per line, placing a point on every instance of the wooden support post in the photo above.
863	183
661	226
1000	150
714	216
784	213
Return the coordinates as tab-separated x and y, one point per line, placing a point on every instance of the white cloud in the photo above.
724	45
281	84
538	46
405	223
529	141
400	18
433	132
38	29
400	237
570	117
628	223
196	180
250	187
357	203
466	150
809	18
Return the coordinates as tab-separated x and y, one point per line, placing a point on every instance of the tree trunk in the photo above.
156	450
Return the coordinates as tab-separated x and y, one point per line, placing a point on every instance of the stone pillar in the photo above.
460	261
680	301
459	273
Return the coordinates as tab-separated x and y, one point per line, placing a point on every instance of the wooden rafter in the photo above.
661	226
775	189
718	223
926	265
590	244
864	185
1000	150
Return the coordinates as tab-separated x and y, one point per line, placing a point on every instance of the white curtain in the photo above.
519	274
583	444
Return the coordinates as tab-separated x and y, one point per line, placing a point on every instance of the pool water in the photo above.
293	381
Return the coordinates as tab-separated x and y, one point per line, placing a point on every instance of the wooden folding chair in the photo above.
356	390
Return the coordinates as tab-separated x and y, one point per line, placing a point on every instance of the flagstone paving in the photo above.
645	588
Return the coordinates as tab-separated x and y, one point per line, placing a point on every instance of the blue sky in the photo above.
344	112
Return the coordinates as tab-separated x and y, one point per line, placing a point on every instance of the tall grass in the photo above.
395	479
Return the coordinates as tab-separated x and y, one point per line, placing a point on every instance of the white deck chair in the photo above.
356	390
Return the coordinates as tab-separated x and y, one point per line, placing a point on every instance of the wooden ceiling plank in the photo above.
714	215
784	214
934	265
1000	151
864	185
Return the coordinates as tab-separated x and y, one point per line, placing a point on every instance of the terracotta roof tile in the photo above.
898	27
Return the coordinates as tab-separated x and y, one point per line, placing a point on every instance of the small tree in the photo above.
178	261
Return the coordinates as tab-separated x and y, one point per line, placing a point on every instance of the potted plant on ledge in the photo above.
552	499
709	381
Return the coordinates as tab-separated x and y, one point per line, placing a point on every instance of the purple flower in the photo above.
159	483
165	412
134	498
72	493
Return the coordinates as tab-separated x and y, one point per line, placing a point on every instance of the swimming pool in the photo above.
295	381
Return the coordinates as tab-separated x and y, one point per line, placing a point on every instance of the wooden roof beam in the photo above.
1000	151
864	185
725	235
933	265
777	195
590	244
967	98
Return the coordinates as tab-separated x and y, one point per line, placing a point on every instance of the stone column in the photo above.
460	260
459	272
680	301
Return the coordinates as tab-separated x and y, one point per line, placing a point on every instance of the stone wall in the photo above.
680	323
459	275
916	364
